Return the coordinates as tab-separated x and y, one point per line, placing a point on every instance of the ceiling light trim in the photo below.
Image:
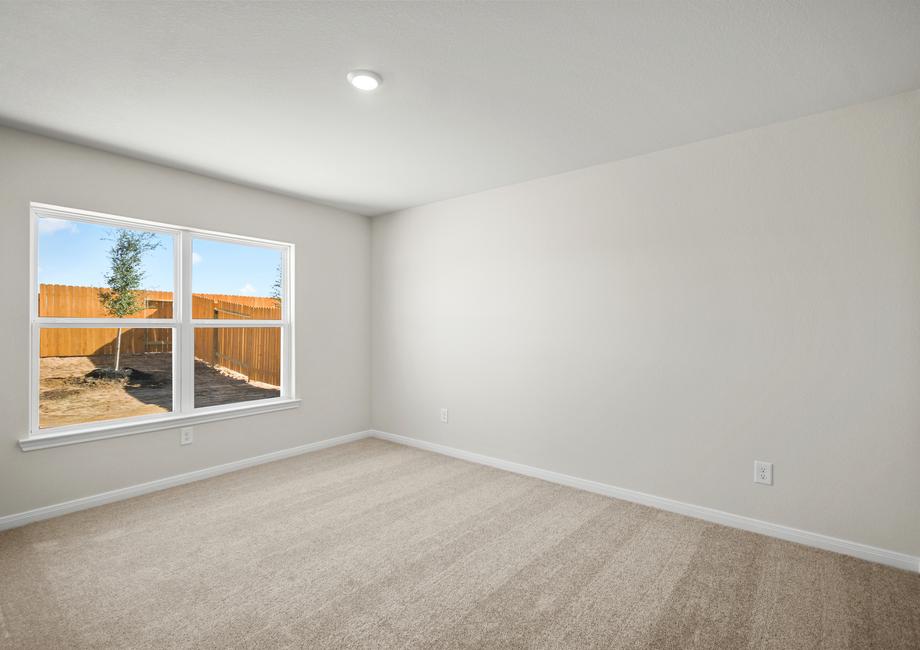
364	80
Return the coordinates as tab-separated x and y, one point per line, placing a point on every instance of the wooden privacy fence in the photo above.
88	342
251	351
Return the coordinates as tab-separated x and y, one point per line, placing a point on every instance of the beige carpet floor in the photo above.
376	545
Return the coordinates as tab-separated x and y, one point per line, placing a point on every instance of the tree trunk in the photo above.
118	350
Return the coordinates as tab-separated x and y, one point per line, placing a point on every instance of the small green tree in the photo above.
276	286
121	297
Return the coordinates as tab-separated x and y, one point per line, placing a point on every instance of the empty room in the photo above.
441	324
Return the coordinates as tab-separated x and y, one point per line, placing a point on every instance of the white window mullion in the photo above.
34	378
287	331
287	279
242	322
186	365
78	323
287	364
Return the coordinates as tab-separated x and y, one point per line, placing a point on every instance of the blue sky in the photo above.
76	253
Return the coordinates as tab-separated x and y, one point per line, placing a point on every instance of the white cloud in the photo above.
248	288
196	258
50	225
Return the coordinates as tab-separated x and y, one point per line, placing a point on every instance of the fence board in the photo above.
254	352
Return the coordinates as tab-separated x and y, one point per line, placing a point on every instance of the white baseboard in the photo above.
817	540
46	512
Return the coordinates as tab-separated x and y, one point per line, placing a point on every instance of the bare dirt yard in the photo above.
66	396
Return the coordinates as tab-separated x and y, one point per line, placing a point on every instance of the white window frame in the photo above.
183	328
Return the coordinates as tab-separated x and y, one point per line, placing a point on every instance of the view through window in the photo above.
117	338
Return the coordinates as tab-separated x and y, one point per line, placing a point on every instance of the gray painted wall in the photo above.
332	319
659	323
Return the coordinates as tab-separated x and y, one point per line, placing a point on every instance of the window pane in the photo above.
89	270
78	381
236	364
235	281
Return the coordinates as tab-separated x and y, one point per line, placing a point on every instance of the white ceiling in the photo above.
474	95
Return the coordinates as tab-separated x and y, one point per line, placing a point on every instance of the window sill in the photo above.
101	431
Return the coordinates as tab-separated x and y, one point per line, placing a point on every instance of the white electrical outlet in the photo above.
444	416
763	472
186	436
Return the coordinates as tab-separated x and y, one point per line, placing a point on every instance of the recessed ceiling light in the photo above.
366	80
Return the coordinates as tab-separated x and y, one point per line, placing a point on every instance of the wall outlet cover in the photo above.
763	472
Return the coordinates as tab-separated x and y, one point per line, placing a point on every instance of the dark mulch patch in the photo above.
127	376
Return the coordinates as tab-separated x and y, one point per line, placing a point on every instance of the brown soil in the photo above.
67	397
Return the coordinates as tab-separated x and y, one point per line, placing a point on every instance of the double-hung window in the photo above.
138	326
